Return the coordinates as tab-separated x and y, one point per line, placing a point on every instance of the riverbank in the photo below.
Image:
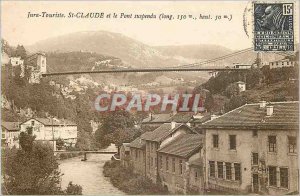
125	180
67	155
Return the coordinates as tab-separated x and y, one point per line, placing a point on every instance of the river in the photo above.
88	174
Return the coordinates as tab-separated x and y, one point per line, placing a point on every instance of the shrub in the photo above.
124	179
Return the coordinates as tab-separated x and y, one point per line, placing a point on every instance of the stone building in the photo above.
138	156
50	130
10	134
282	63
179	164
157	139
253	148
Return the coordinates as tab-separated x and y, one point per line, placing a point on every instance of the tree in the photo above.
232	90
20	51
32	170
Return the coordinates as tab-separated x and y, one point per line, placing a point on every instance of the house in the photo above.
241	85
213	73
124	153
180	165
10	134
157	139
138	155
156	120
282	63
253	148
46	129
16	61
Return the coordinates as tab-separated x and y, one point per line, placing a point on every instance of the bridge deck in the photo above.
142	70
88	152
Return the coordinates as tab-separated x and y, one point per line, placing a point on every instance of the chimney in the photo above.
151	116
269	110
262	104
173	124
188	124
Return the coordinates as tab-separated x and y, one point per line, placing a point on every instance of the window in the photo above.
212	169
220	169
232	142
196	176
173	164
254	133
237	171
167	163
216	141
180	167
154	163
292	144
284	178
136	154
272	176
32	123
255	158
151	161
272	143
228	171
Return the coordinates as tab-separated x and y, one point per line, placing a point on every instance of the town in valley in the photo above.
149	98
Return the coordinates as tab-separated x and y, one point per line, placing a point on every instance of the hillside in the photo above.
132	52
279	84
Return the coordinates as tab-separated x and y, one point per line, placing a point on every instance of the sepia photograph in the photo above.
149	97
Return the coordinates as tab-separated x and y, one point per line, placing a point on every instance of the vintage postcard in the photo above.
150	97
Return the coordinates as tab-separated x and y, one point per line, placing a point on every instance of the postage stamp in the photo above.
273	26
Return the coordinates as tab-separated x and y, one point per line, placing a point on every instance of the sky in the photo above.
17	28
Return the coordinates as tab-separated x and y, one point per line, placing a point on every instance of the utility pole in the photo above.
52	133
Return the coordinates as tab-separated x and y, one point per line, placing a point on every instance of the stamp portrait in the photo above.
273	26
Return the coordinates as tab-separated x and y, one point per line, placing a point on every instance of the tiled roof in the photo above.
161	132
157	118
201	120
182	117
138	143
11	126
48	122
285	116
183	146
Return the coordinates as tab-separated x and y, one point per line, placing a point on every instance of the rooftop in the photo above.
162	132
157	118
179	117
11	126
285	116
137	143
183	146
182	117
48	122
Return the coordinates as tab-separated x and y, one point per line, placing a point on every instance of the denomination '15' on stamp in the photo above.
273	26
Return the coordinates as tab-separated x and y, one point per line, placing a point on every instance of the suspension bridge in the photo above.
193	67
